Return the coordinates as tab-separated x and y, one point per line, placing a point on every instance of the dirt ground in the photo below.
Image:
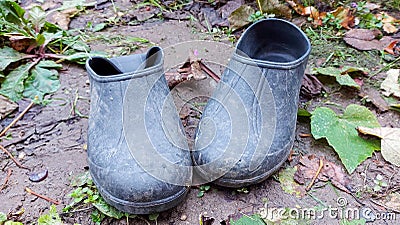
53	137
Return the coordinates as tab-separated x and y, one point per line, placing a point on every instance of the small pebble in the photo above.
21	155
183	217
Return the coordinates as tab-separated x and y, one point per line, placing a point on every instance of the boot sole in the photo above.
143	207
236	183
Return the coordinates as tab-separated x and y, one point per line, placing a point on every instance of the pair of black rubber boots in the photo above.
137	151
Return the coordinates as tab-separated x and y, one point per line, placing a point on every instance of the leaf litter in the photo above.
390	142
309	166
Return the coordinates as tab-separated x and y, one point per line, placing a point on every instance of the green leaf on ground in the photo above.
288	184
107	210
390	142
8	56
240	17
342	75
340	132
42	81
248	220
303	113
3	217
13	86
51	218
353	222
391	84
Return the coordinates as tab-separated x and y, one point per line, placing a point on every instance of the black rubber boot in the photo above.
247	128
137	151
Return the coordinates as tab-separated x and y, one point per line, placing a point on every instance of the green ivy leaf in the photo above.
340	132
51	218
42	81
248	220
107	210
342	75
13	86
8	56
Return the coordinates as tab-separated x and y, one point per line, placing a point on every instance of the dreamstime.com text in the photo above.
339	211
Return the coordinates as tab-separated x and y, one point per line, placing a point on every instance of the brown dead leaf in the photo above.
363	34
20	43
63	18
195	67
308	167
345	15
374	96
393	48
361	40
392	201
311	86
6	107
390	142
388	22
389	28
275	7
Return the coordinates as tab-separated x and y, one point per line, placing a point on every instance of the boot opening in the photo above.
274	41
153	57
103	66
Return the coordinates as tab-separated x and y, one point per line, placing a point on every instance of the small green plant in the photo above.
379	183
243	190
256	16
367	19
85	195
202	190
31	52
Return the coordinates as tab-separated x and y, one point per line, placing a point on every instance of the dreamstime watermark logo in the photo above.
341	210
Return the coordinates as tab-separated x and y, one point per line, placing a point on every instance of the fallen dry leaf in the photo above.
363	34
63	18
392	201
390	142
388	22
374	96
275	7
308	167
239	17
365	40
345	15
391	84
311	86
6	107
393	48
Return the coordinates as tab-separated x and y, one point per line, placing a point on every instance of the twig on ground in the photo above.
321	164
42	196
9	171
17	118
209	71
303	135
382	205
13	159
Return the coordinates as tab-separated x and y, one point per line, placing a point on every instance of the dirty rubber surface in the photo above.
54	137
